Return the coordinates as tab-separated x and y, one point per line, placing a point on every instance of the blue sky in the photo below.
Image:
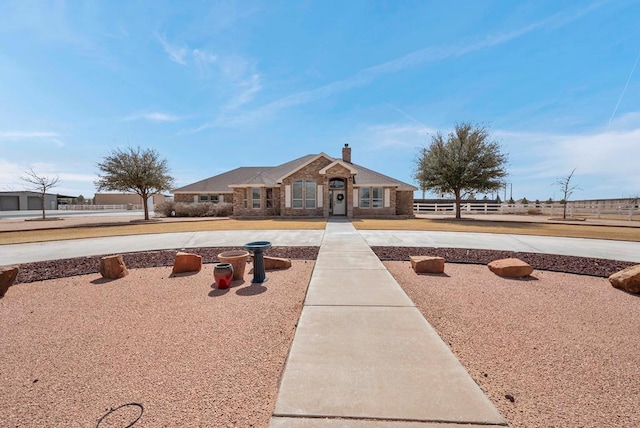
213	85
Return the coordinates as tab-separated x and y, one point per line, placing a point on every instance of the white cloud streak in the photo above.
423	56
624	90
20	135
177	54
155	116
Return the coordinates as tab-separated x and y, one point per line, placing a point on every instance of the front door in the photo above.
339	202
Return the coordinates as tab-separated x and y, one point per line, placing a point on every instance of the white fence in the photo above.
620	211
102	207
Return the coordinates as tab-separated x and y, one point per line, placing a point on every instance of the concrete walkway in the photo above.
364	356
40	251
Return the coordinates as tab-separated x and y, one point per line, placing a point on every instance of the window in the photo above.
371	197
365	197
336	183
309	194
304	194
297	194
210	198
255	197
245	197
376	197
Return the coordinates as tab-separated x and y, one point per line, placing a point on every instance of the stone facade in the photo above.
276	193
309	172
245	209
404	203
379	211
188	198
338	171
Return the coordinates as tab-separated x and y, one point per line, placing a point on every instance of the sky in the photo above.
215	85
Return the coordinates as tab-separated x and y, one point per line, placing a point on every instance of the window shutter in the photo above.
195	199
387	198
319	198
356	197
287	196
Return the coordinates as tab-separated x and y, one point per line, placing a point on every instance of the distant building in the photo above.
125	199
22	201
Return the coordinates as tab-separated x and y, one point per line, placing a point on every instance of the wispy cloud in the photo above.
155	116
608	153
247	89
177	54
429	54
183	54
19	135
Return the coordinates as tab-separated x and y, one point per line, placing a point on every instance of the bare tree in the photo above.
463	163
135	170
567	190
40	184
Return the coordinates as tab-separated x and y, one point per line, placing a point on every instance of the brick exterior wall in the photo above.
404	203
338	171
309	172
378	212
187	198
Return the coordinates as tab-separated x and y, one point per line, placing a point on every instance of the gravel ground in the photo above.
563	347
193	355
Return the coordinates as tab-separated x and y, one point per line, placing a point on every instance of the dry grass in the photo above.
618	233
24	236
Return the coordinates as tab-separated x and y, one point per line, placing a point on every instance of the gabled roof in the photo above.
311	158
368	177
342	163
271	176
220	183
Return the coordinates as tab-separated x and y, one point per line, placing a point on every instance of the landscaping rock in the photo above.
8	275
627	279
113	267
510	268
427	264
187	262
275	263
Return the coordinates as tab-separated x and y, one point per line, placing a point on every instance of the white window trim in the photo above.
287	196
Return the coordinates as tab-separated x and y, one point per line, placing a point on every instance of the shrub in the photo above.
166	209
534	211
203	210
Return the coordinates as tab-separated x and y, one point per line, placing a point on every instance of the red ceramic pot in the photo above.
223	275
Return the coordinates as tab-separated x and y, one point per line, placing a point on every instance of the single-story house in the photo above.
27	200
315	185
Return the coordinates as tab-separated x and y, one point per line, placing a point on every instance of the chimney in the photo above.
346	153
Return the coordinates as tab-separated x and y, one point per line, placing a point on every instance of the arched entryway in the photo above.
337	196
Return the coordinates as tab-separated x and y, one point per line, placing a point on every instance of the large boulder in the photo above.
510	268
113	267
187	262
275	263
627	279
8	275
427	264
